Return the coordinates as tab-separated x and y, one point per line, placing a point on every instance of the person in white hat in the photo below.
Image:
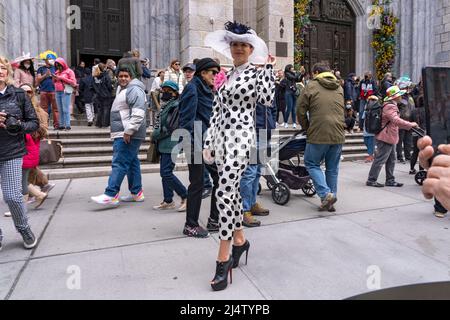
232	134
25	73
388	138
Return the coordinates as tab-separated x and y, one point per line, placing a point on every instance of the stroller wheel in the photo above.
259	189
309	190
281	194
420	178
270	185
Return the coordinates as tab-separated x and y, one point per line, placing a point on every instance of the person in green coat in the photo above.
162	136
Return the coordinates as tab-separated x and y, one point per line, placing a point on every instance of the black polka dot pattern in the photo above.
231	136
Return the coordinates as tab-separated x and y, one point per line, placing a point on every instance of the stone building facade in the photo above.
165	29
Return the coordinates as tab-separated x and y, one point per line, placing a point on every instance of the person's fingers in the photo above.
429	187
445	149
436	172
425	155
442	161
424	142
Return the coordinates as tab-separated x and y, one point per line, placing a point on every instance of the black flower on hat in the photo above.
237	28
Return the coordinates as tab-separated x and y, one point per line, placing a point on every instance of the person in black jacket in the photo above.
17	117
103	96
196	106
291	79
87	93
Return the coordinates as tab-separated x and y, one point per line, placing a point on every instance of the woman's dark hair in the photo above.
288	68
321	67
31	70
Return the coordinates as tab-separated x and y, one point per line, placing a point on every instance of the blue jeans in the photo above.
250	186
169	181
315	154
207	180
291	101
63	100
362	109
370	144
125	163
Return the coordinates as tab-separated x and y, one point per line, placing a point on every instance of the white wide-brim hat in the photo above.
22	58
220	41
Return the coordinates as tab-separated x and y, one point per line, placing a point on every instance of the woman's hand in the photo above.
208	156
2	120
272	60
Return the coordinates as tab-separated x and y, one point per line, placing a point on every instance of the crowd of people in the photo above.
221	113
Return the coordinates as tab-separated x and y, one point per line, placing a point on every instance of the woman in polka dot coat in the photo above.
229	142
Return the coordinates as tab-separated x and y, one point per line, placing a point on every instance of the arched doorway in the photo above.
105	30
331	36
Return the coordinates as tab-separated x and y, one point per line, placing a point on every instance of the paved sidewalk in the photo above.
134	252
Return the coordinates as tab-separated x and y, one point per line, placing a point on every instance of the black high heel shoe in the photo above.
223	269
238	252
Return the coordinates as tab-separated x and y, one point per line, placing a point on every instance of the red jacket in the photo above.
391	115
67	76
31	159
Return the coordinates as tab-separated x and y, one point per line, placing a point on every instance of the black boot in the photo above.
238	252
223	269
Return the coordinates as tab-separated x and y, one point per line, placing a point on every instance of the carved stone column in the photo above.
155	30
198	18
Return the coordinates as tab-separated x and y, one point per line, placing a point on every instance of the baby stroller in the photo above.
290	176
421	176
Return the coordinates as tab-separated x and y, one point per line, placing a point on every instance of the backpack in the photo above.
374	117
173	120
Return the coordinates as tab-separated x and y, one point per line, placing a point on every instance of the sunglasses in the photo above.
214	72
177	64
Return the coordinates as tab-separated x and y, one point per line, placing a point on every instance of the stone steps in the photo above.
88	152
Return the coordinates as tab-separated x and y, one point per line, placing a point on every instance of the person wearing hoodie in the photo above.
65	82
128	131
103	96
388	139
321	113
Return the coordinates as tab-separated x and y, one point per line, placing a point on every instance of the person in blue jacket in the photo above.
196	106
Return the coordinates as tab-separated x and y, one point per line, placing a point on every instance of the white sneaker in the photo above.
165	206
106	200
183	206
286	125
134	198
295	126
7	214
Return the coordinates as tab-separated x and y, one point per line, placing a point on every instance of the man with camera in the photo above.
17	117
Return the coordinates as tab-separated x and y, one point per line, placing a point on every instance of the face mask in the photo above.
27	66
51	62
166	96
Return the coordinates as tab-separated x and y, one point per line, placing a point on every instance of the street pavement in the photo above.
379	238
